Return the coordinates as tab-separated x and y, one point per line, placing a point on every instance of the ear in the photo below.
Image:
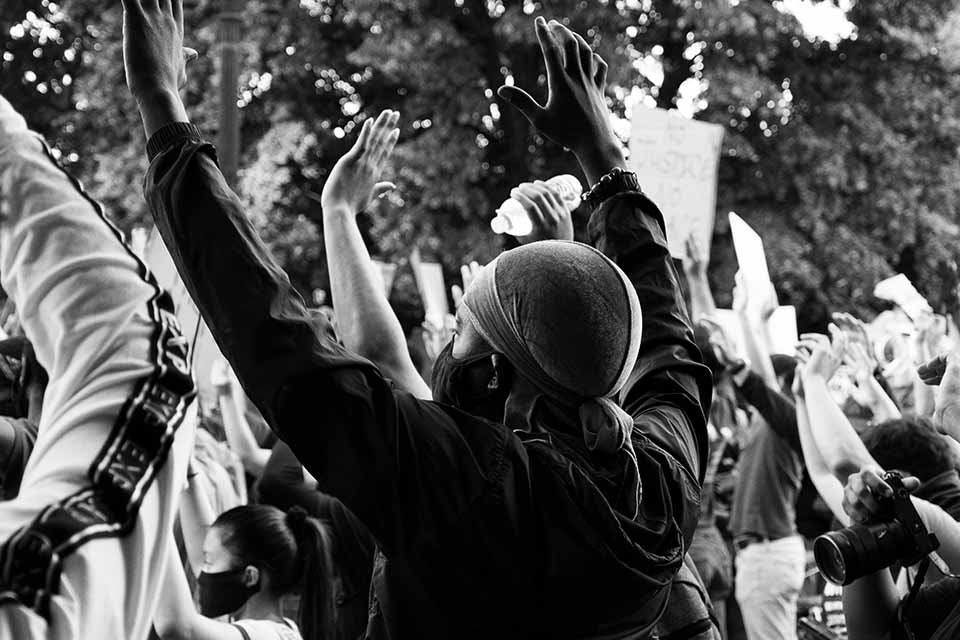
501	373
251	577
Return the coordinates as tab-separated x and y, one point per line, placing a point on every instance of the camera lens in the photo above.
829	559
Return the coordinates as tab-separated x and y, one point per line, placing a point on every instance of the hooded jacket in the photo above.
483	531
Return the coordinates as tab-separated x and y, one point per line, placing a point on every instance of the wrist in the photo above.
337	209
160	107
600	159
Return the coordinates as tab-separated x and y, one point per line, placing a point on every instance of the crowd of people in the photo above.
577	456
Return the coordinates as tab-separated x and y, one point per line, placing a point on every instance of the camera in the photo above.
900	536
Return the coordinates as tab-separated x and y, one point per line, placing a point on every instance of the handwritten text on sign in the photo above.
676	160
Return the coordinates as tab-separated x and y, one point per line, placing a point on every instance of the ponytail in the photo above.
296	551
318	611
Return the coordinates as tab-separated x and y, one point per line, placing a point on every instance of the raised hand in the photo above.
354	180
550	217
695	262
155	60
575	114
823	357
946	415
222	377
468	272
721	342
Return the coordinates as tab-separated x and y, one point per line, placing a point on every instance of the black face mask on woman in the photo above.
223	592
476	384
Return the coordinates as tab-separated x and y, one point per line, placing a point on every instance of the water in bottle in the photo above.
512	218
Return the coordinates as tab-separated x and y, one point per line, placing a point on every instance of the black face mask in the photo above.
475	384
223	592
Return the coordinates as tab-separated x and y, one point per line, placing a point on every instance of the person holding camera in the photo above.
886	532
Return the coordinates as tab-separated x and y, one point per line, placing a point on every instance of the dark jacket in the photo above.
484	532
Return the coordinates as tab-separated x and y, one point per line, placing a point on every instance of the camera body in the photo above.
899	536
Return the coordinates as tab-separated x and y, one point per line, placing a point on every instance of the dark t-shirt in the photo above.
935	614
770	469
18	437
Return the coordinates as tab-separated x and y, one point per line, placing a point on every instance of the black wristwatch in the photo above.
617	181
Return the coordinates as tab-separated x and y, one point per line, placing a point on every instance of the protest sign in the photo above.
676	159
386	271
781	330
433	291
750	256
901	291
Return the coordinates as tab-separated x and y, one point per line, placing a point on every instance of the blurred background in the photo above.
842	122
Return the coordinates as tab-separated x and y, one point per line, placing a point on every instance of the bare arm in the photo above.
695	266
827	485
197	513
177	618
832	432
231	400
365	322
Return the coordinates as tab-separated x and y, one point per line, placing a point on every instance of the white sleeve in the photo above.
103	452
946	529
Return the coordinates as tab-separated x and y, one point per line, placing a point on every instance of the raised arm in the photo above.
827	485
832	432
232	401
695	265
372	447
365	322
177	618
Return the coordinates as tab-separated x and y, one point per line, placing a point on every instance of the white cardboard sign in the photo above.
676	159
750	256
433	290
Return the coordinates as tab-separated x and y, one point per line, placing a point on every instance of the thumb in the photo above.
911	484
189	55
521	101
381	189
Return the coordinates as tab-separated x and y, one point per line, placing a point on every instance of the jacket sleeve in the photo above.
404	467
670	389
777	410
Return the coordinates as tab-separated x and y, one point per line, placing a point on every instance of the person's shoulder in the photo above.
270	629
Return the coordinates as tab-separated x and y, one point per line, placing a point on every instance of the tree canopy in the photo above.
843	155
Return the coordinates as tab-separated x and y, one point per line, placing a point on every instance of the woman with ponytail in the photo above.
253	556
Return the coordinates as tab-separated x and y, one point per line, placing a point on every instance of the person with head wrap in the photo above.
554	492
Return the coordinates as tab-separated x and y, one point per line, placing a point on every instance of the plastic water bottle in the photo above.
512	218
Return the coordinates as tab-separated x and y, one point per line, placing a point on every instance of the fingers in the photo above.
381	189
932	372
600	77
569	45
862	497
456	292
522	102
838	339
383	152
586	56
523	195
363	138
552	55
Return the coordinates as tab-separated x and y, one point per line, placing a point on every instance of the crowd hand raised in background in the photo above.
722	345
946	415
696	261
575	114
354	180
822	355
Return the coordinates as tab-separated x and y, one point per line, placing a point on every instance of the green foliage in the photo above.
843	156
